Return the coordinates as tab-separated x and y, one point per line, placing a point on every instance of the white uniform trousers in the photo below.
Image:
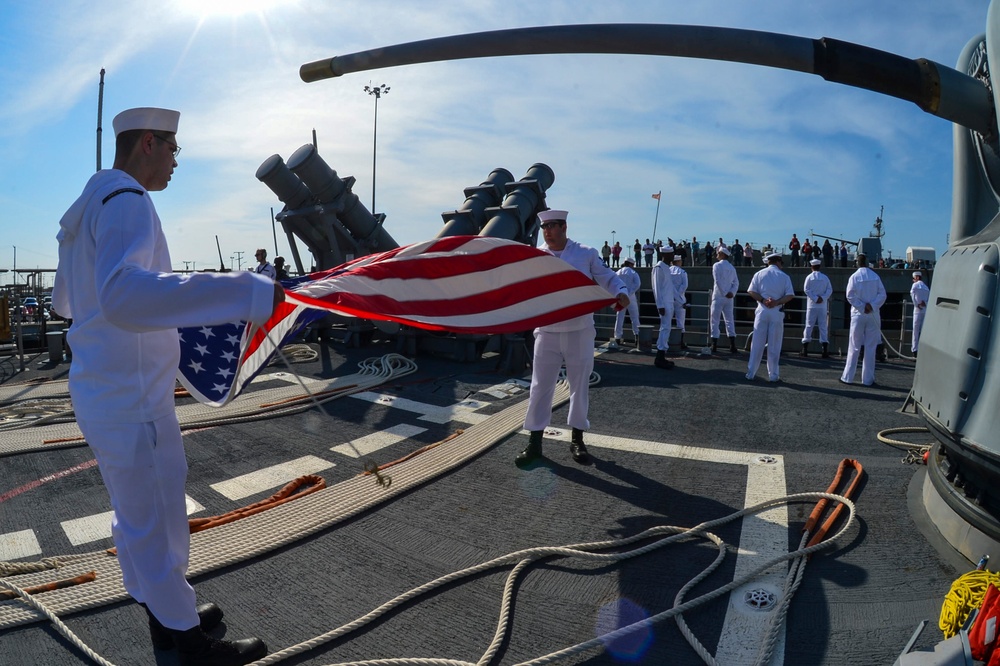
679	316
768	329
576	349
144	470
722	306
918	325
816	316
633	316
663	339
866	331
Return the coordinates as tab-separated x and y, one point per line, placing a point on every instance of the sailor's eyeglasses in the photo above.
175	149
552	225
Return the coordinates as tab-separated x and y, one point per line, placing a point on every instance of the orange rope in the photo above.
303	396
413	454
820	507
64	439
300	487
88	577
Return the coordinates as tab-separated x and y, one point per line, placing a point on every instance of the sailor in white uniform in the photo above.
264	266
630	277
866	294
116	282
664	295
726	284
920	293
570	342
818	290
680	277
771	288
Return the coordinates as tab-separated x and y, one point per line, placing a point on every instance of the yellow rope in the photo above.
965	595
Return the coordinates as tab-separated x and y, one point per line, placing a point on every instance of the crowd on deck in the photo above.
695	253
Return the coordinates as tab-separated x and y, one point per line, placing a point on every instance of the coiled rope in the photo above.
914	452
965	595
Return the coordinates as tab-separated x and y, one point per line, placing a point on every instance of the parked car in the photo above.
30	305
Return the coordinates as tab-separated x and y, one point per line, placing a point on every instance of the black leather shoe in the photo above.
196	648
532	452
661	361
209	617
579	452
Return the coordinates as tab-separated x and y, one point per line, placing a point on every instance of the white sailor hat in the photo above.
628	260
666	248
549	215
147	118
773	255
723	249
678	257
917	274
815	262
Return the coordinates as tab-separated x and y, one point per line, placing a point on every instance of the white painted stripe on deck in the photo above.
98	526
379	440
432	413
762	537
288	377
16	545
89	528
269	478
507	389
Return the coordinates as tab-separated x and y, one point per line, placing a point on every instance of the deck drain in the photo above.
759	599
767	460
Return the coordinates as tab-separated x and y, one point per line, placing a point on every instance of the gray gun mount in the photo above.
955	388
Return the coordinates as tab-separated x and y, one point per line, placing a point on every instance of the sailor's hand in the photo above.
279	295
623	301
868	308
819	299
662	311
729	295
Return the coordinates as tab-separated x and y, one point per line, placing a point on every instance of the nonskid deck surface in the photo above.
672	447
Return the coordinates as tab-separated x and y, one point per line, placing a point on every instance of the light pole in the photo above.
377	92
612	238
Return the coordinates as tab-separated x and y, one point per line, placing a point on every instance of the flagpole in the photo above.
657	217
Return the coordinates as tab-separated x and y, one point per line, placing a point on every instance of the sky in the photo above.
738	151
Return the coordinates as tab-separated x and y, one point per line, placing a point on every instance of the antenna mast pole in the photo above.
100	112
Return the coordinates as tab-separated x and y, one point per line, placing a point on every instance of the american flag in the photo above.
461	284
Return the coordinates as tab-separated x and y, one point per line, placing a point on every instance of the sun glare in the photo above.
206	9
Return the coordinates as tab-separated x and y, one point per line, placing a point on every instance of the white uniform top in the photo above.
771	282
680	277
920	293
865	287
726	281
586	260
116	282
266	269
817	285
663	285
630	278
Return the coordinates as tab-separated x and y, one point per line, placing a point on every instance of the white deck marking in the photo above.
463	412
379	440
89	528
287	377
762	537
507	389
98	526
15	545
270	477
